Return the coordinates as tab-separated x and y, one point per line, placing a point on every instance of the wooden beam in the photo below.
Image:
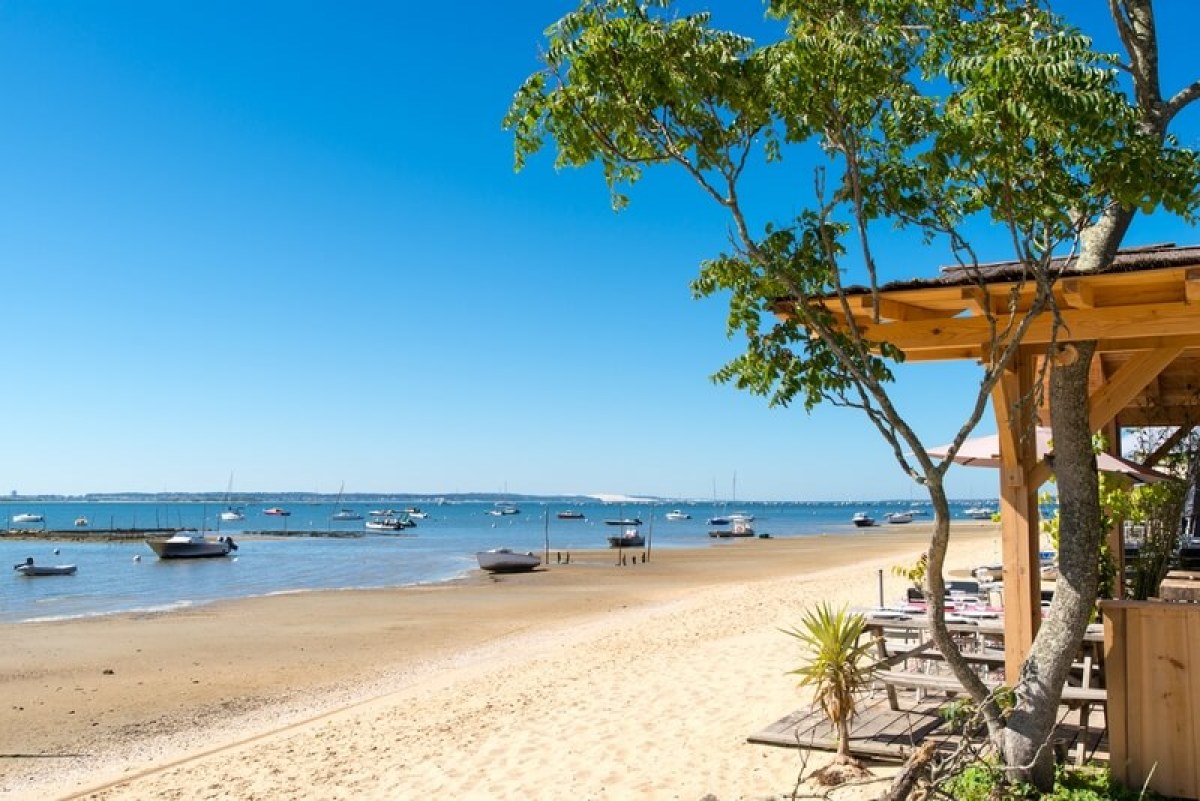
1126	383
1134	416
1167	445
1079	294
1191	286
891	309
1020	536
1116	532
1109	323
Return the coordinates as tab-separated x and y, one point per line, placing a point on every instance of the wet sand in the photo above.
588	680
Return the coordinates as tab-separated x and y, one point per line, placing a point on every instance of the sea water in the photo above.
126	576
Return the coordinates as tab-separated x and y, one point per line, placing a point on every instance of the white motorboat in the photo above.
624	521
81	522
389	523
191	545
28	568
415	513
862	520
29	517
677	514
276	511
896	518
629	538
505	560
979	513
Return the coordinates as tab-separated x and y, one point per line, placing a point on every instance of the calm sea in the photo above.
126	576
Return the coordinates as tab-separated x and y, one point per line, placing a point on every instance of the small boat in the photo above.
899	517
29	518
389	524
505	560
570	514
718	521
383	513
343	513
630	538
415	513
738	528
28	568
979	513
677	514
275	511
191	545
862	520
624	521
232	513
81	522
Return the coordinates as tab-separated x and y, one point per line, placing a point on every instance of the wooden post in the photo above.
1116	534
1020	538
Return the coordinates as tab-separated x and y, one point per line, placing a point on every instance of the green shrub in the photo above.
978	781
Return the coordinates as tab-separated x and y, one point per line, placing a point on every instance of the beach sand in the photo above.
584	681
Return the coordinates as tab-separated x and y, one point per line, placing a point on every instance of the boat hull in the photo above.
46	570
502	560
166	549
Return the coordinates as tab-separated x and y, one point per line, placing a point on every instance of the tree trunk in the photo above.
1027	753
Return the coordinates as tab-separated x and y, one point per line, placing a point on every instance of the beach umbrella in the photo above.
985	452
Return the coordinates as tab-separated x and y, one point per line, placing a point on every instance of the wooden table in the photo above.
1180	585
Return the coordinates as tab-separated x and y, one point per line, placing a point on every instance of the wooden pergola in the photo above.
1144	314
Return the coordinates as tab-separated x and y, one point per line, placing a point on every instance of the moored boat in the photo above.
862	520
505	560
630	538
81	522
677	514
28	568
191	545
29	517
345	514
899	517
276	511
979	513
570	514
739	527
389	523
624	521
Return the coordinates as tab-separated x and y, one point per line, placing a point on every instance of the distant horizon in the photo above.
301	496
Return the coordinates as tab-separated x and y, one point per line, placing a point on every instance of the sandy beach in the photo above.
585	681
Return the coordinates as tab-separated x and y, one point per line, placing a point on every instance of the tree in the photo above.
935	116
838	669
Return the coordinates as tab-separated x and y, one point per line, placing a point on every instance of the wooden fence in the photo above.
1152	666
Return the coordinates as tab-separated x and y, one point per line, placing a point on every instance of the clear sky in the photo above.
284	240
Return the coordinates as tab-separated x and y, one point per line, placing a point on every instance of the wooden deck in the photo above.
879	732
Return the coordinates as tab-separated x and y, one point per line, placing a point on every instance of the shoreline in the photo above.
102	693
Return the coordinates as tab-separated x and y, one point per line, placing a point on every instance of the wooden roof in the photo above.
1144	313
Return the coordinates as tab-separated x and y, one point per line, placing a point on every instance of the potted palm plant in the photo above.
838	669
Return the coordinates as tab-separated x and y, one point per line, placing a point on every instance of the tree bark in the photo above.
1027	752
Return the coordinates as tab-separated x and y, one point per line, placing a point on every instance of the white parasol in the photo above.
985	452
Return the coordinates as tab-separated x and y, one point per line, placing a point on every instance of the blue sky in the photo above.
285	241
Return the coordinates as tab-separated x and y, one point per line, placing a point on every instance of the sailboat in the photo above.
342	513
231	513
